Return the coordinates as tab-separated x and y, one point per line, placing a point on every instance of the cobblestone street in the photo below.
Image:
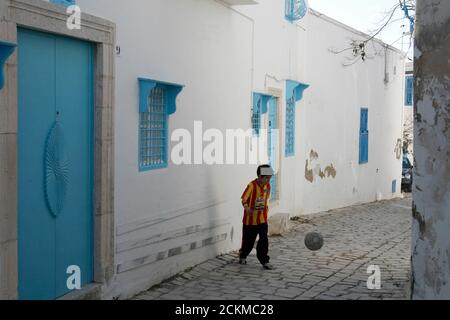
355	237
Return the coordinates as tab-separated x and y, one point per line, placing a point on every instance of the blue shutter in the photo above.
364	137
409	87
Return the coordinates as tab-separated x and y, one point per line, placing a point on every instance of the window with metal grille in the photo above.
290	127
364	136
295	9
153	131
256	114
409	87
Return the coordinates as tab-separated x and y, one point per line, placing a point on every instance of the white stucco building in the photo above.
408	110
342	117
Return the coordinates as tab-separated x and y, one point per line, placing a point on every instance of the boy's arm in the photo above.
246	196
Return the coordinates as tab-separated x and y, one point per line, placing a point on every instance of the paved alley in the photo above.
355	238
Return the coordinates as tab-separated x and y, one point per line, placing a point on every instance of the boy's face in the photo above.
264	179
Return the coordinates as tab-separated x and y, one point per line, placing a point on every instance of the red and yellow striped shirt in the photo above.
257	198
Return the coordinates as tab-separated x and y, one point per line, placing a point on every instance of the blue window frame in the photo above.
66	3
409	90
290	127
256	114
153	134
294	93
364	136
295	9
157	100
394	186
260	107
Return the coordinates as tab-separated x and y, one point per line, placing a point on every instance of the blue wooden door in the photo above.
55	156
272	144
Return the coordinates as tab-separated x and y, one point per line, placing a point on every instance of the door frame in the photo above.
278	94
46	17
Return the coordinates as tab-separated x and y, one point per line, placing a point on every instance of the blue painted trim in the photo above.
261	99
264	102
6	50
256	114
409	90
146	85
171	91
364	136
91	155
66	3
153	167
295	10
295	89
289	146
294	93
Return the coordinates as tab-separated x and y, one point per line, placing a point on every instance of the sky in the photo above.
365	15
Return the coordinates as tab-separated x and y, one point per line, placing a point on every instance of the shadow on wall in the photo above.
196	229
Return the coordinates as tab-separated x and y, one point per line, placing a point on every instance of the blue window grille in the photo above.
66	3
290	127
409	90
295	9
364	137
157	100
260	107
256	114
294	93
153	131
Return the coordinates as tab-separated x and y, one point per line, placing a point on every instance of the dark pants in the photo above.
249	234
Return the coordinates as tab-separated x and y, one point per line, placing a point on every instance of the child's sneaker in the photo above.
267	266
242	261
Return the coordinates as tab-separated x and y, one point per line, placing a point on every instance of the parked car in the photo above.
407	177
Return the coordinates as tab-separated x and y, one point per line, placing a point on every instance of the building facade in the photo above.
408	111
156	77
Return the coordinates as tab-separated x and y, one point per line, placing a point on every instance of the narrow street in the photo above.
354	239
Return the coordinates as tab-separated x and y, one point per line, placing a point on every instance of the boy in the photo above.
255	202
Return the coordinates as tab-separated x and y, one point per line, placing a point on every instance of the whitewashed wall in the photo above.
221	55
206	47
408	118
328	117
